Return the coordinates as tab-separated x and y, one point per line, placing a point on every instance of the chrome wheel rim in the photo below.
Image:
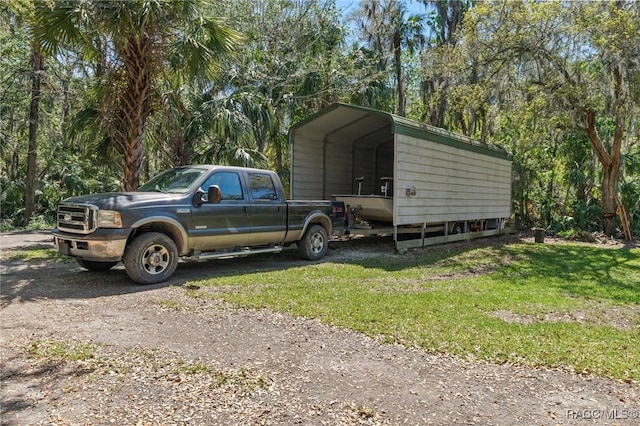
155	259
317	242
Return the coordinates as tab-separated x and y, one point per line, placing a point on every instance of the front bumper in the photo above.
103	245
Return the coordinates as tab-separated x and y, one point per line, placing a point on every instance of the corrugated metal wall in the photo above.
451	184
307	168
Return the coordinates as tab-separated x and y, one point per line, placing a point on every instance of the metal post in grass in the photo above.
538	235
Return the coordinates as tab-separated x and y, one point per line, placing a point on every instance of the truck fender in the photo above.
319	218
167	225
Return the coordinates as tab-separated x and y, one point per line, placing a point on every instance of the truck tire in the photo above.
314	243
151	258
94	266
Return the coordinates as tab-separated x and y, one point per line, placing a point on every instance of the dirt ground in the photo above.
160	356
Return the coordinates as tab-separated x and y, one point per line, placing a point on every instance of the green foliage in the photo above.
11	201
556	83
391	35
136	46
293	63
520	74
67	177
630	188
374	92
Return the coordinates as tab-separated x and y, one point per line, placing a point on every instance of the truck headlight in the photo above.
109	219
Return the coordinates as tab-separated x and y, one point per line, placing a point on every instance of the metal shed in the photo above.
434	176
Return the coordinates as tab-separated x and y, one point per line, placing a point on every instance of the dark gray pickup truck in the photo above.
196	213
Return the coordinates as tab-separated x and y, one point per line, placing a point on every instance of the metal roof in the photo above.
343	122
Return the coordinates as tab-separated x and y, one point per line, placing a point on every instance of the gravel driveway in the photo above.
156	355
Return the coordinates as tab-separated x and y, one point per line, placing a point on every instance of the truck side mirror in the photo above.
214	194
197	198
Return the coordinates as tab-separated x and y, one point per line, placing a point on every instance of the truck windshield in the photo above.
175	181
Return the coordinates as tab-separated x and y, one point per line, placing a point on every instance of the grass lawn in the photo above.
34	254
571	306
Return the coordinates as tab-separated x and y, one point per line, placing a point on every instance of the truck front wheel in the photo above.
314	243
151	258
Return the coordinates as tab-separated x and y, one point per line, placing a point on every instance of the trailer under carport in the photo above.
438	177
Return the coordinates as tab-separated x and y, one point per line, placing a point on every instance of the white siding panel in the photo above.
451	184
306	176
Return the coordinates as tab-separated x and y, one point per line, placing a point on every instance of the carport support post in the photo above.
324	168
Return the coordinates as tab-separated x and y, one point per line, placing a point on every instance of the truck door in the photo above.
226	224
268	210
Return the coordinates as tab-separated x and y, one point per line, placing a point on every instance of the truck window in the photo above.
229	184
176	181
262	187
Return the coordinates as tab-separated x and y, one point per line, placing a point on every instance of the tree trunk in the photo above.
610	198
610	161
549	202
136	107
397	58
133	157
37	69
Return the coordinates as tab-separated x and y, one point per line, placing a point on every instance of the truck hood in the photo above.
124	200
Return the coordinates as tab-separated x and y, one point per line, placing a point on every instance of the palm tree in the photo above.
407	34
214	128
144	41
444	20
388	32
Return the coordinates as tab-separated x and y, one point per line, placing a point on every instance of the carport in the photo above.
435	176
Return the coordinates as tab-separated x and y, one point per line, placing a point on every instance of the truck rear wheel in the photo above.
151	258
95	266
314	243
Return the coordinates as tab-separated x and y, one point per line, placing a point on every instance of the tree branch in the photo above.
596	142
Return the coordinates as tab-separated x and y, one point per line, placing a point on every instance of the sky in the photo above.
413	7
350	6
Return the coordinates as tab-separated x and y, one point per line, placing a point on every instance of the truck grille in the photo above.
77	218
